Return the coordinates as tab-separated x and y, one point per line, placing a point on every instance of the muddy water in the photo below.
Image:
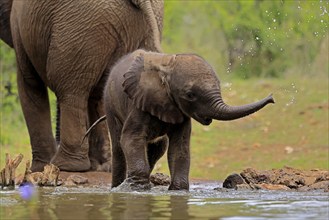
202	202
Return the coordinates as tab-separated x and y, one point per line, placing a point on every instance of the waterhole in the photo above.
201	202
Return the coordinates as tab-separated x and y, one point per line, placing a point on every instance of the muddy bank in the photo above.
286	178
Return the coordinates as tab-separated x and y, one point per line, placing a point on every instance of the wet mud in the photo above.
287	178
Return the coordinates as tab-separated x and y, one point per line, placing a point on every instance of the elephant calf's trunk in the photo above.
225	112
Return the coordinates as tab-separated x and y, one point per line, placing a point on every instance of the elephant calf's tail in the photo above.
92	127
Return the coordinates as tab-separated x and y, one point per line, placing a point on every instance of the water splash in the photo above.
292	94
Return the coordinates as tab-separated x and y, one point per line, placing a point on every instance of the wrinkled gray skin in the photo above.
68	46
150	99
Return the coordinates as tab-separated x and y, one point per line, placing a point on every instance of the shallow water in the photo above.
202	202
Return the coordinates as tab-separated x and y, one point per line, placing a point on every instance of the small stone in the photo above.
35	178
76	179
232	180
243	187
50	175
160	179
266	186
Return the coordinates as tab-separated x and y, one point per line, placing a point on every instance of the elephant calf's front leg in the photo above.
134	145
179	156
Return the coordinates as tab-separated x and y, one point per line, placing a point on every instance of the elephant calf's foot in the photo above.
129	185
74	163
179	186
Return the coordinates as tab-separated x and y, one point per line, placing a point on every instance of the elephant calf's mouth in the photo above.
203	120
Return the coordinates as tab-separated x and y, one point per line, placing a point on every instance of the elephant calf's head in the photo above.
172	87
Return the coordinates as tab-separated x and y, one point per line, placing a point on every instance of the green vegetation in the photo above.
257	47
293	132
253	38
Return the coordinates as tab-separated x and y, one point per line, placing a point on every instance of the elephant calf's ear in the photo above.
148	93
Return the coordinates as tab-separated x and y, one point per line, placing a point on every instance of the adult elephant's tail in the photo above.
5	32
146	7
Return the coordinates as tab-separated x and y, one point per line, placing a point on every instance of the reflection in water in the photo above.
201	202
132	206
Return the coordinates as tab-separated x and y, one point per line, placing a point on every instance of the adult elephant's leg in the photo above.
72	154
74	66
179	156
35	105
118	157
99	142
156	150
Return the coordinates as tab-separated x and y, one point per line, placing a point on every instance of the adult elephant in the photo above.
68	46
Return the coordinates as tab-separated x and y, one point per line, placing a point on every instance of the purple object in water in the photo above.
26	191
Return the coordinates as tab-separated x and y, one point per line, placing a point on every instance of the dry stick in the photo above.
13	166
27	171
7	174
2	177
7	170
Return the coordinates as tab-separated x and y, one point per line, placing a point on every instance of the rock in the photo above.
252	176
279	179
244	186
322	177
266	186
323	185
160	179
48	177
35	178
232	181
74	180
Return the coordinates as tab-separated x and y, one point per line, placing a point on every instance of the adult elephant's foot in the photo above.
97	166
40	158
37	165
73	163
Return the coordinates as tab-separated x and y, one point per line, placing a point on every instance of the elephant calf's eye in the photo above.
190	96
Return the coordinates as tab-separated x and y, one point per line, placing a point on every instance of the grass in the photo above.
293	132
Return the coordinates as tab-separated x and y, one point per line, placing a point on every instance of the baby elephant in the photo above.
150	99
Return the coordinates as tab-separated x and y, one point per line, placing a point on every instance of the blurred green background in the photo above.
257	47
